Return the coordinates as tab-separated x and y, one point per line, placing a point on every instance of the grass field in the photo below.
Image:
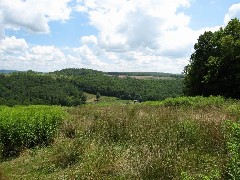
173	139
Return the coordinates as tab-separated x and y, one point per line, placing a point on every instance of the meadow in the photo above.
178	138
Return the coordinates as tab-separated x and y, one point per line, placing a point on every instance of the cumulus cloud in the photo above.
131	31
31	15
233	12
89	40
89	57
131	25
12	44
18	54
146	35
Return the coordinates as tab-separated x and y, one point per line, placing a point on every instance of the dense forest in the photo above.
25	88
128	88
66	87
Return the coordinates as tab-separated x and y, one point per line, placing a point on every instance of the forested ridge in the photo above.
92	81
66	87
25	88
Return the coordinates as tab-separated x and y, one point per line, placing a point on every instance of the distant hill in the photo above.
127	88
154	74
7	71
65	87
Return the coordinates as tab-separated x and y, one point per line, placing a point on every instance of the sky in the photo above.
107	35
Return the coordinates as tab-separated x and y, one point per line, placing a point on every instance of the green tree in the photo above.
98	96
83	99
214	67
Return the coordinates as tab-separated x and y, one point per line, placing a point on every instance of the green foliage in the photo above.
26	127
98	96
31	88
91	81
233	149
214	66
197	101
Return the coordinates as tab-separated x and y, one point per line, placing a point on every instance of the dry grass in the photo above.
2	176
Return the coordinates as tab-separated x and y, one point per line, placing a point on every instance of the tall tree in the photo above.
214	67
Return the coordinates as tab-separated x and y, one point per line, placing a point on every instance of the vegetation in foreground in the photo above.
169	140
25	127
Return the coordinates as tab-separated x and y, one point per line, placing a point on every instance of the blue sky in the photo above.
107	35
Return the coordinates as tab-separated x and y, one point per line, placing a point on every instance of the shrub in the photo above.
25	127
197	101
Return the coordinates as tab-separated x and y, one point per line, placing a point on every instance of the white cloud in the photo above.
146	35
112	41
132	24
234	11
17	54
89	40
89	58
33	15
46	53
131	31
13	44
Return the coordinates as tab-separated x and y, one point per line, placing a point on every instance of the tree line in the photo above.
29	88
214	67
123	88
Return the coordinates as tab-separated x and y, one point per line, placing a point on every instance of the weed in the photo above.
66	154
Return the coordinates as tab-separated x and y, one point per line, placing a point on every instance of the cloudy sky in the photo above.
107	35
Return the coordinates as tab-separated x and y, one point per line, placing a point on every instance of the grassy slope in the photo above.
143	141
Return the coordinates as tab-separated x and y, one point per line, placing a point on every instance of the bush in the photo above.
25	127
197	101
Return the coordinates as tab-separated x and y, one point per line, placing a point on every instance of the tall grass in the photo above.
197	101
233	148
139	142
25	127
147	142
